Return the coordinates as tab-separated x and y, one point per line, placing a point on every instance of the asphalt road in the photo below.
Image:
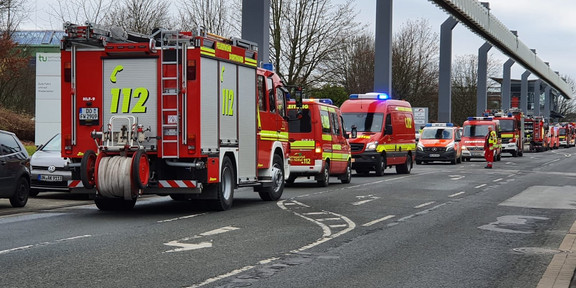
441	226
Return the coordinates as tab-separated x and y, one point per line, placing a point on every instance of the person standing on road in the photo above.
489	145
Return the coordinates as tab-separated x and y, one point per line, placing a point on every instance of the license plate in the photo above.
50	178
478	153
88	114
434	155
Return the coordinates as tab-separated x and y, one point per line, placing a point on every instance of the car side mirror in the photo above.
388	130
354	132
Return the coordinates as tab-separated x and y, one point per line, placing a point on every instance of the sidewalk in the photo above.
561	269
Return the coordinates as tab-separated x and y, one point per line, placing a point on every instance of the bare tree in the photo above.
12	12
80	11
215	16
13	65
415	63
304	33
465	84
567	107
140	16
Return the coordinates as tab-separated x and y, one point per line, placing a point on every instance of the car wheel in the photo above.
406	167
324	177
381	166
20	196
347	177
33	192
275	191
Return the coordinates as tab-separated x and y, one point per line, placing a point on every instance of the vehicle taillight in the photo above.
318	148
68	144
191	70
67	72
191	143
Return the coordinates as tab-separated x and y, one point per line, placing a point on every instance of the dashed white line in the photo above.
42	244
362	202
497	180
456	194
328	219
424	204
480	186
378	220
180	218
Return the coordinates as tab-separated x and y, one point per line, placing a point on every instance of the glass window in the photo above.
436	133
325	121
261	93
475	130
507	125
8	144
336	129
299	122
271	98
280	100
364	122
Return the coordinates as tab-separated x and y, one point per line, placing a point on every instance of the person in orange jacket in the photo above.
489	145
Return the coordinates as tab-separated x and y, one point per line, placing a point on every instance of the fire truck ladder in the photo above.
173	87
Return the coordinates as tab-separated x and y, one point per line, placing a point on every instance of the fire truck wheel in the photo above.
324	177
347	177
114	204
406	167
520	153
275	191
514	154
224	189
290	180
381	166
140	169
87	169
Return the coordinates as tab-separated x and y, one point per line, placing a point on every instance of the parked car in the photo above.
48	168
14	169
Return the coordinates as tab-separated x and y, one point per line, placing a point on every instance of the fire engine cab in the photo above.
473	137
318	142
512	131
385	130
184	114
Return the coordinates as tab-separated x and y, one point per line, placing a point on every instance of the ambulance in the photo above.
474	134
318	142
385	133
439	142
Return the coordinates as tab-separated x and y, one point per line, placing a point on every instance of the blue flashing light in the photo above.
268	66
383	96
439	125
326	101
373	95
353	96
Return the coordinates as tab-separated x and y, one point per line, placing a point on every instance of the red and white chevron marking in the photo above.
75	184
177	183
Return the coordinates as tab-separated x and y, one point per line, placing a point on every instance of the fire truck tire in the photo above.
87	168
406	167
381	166
114	204
520	153
499	157
514	153
324	176
347	176
140	169
224	189
275	191
290	180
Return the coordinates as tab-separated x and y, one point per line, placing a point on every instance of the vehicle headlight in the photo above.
371	146
420	146
464	148
450	146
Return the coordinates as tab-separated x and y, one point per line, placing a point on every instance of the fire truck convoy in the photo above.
189	115
386	135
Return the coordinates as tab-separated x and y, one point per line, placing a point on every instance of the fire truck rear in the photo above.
189	115
535	133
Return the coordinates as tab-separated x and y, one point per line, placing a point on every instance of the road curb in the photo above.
561	269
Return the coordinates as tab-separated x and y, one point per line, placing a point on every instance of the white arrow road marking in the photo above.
370	198
194	246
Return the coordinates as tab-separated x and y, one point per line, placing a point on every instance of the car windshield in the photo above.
475	130
507	125
299	122
53	144
436	133
364	122
561	131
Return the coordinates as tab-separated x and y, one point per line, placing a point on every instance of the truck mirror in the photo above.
354	132
298	98
388	130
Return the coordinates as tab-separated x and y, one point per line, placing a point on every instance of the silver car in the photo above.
48	168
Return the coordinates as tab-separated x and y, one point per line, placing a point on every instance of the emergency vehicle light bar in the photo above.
480	118
439	125
374	95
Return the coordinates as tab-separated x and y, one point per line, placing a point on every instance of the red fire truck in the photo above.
512	128
535	133
385	130
189	115
474	134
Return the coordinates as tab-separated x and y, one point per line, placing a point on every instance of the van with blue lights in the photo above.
474	134
439	142
318	144
385	133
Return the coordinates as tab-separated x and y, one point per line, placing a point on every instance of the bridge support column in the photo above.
383	47
506	84
524	92
547	102
256	25
537	93
445	66
482	91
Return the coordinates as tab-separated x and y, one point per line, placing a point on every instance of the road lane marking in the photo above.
21	248
480	186
223	276
370	198
328	219
194	246
378	220
456	194
497	180
180	218
424	204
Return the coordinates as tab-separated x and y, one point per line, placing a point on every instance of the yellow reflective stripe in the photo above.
339	157
326	137
207	51
336	147
507	135
405	109
250	62
324	108
395	147
303	145
331	109
273	135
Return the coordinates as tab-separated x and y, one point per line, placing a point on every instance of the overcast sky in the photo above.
549	26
